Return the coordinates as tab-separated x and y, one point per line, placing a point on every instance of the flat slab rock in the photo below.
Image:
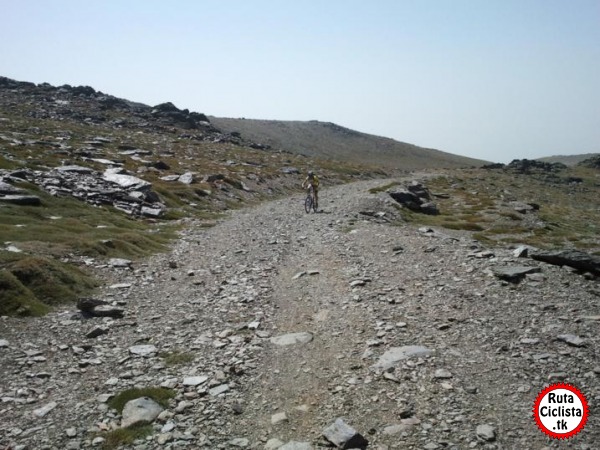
292	339
514	273
294	445
23	200
41	412
396	354
572	258
142	350
194	380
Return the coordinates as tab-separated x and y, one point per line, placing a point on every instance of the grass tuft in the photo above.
125	436
51	282
16	299
158	394
177	358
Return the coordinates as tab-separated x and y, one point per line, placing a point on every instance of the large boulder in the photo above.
573	258
416	197
140	411
514	274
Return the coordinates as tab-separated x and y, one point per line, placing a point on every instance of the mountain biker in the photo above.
312	180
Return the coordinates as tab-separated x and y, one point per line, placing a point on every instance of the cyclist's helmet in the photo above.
310	173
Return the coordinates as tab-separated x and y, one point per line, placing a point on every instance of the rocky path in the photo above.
286	317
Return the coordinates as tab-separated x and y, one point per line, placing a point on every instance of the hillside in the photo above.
568	160
84	174
328	140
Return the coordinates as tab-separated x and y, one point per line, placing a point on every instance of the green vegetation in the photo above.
480	200
384	187
125	436
30	285
59	229
177	357
61	226
16	299
158	394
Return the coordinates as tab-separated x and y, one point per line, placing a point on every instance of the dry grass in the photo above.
479	200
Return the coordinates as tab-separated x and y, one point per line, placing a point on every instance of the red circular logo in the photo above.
561	410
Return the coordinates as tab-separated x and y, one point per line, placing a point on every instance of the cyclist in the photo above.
312	180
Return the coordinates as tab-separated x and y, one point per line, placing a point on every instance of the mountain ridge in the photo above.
329	140
568	160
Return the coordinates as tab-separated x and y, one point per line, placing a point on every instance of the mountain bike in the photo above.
310	202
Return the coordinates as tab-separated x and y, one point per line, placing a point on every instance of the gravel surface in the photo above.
293	320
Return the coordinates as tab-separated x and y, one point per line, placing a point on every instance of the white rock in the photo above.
119	262
142	350
120	286
240	442
218	390
103	398
3	343
163	438
396	354
572	340
169	383
169	426
442	374
41	412
194	381
278	418
273	444
294	445
140	410
253	325
112	381
125	181
486	432
292	338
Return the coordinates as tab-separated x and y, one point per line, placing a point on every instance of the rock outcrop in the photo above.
416	197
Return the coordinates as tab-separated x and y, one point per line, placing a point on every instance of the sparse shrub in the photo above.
51	282
125	436
16	299
384	187
177	357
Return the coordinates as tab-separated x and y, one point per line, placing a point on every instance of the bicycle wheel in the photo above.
308	203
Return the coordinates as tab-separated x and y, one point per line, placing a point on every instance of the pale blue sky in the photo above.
491	79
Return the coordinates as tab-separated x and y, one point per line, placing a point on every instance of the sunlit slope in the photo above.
328	140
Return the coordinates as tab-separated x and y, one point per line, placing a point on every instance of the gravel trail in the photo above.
355	286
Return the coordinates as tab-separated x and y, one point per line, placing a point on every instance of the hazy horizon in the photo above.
494	80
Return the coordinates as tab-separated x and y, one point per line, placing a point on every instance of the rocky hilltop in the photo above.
76	141
328	140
